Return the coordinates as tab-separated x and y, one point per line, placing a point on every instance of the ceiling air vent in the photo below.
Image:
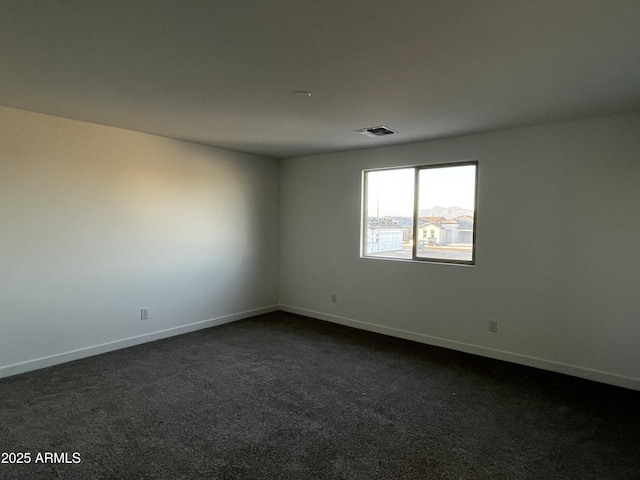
380	131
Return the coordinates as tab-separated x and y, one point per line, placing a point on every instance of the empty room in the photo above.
320	240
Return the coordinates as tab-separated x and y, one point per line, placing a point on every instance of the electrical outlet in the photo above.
334	298
144	314
493	326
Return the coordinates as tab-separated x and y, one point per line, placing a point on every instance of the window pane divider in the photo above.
416	208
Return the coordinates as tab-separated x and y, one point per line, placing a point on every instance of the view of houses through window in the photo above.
434	223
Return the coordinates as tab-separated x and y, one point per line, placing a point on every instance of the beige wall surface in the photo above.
97	223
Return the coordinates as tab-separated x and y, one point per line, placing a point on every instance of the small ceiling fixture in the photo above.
380	131
301	93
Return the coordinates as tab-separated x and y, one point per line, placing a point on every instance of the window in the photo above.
421	213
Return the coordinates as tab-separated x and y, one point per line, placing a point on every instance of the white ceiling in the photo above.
222	72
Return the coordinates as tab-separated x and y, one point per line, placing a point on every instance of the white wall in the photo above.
97	223
567	299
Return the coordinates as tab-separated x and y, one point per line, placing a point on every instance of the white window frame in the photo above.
415	233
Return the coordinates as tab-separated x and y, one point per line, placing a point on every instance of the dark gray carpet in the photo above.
284	396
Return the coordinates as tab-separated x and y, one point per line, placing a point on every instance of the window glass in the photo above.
435	223
446	209
389	213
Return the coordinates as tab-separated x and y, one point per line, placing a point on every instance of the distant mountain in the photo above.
446	212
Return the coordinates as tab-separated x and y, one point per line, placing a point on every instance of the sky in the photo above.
390	192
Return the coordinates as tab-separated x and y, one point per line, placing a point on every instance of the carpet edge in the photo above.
536	362
64	357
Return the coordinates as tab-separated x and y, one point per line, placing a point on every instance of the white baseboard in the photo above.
574	370
51	360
